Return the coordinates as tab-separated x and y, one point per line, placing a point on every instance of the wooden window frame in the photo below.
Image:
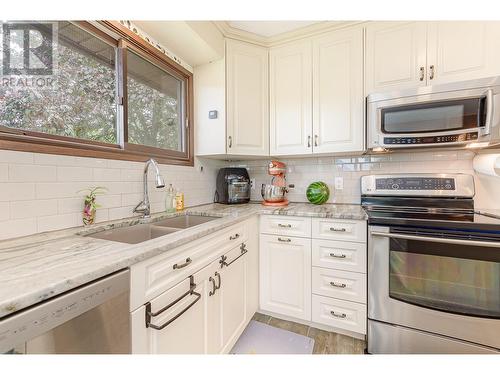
22	140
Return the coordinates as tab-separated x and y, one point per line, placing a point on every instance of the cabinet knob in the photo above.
338	229
431	70
308	141
230	141
316	140
285	225
422	73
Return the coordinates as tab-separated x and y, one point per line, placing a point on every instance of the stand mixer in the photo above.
274	193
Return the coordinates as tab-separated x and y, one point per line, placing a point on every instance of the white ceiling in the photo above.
270	28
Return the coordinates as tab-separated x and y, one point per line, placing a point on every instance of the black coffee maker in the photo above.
233	186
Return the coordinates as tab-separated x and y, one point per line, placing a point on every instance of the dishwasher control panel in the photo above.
36	320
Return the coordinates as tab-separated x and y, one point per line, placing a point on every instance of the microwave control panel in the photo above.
431	140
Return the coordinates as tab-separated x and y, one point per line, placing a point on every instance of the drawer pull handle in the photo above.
214	287
336	285
224	258
186	263
150	314
337	229
236	236
285	225
284	239
217	274
340	256
341	316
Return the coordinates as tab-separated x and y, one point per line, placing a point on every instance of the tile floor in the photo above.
324	342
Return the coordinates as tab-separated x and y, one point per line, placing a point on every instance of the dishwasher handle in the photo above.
150	314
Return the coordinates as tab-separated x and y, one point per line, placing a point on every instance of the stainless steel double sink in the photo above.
138	233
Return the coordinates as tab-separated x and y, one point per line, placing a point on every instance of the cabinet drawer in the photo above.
350	286
339	229
285	225
155	275
340	255
350	316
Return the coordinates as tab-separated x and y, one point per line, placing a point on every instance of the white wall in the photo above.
38	192
302	172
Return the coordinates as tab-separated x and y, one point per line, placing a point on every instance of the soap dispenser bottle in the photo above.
170	199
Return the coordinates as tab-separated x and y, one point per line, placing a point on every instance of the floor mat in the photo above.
260	338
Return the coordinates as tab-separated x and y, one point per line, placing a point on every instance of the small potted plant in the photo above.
90	205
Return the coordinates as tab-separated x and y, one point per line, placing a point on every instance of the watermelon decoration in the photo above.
318	192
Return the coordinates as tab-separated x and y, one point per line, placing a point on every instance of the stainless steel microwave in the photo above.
454	114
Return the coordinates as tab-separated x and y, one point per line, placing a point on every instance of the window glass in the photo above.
155	105
82	104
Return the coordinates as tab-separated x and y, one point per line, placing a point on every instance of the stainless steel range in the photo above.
433	266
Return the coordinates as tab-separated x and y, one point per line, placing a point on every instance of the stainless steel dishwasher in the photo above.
91	319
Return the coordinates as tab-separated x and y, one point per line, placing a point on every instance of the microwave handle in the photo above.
489	112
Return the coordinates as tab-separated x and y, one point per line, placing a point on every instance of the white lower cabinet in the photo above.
314	270
346	315
205	312
285	275
180	321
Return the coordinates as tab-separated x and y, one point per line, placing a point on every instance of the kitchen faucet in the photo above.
144	206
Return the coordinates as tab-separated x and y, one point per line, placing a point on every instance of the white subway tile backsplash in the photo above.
16	191
55	222
4	211
31	173
66	174
17	228
7	156
106	174
4	172
33	208
301	172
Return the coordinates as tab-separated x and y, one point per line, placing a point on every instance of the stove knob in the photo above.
395	186
447	186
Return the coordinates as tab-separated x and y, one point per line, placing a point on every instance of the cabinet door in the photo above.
338	124
285	275
395	56
291	99
210	95
462	50
247	99
233	293
183	335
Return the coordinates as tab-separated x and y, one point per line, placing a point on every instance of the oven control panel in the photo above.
415	183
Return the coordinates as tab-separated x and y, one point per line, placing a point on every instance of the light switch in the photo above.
339	183
212	114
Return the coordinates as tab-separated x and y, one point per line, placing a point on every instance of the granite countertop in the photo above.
494	213
41	266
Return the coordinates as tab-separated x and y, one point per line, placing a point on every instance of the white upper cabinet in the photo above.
338	124
210	95
463	50
291	99
247	99
402	55
395	55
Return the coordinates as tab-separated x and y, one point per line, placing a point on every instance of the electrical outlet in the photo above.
339	183
252	184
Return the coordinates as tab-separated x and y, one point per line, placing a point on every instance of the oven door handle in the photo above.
489	113
451	241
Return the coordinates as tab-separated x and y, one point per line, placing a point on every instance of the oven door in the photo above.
432	119
447	286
